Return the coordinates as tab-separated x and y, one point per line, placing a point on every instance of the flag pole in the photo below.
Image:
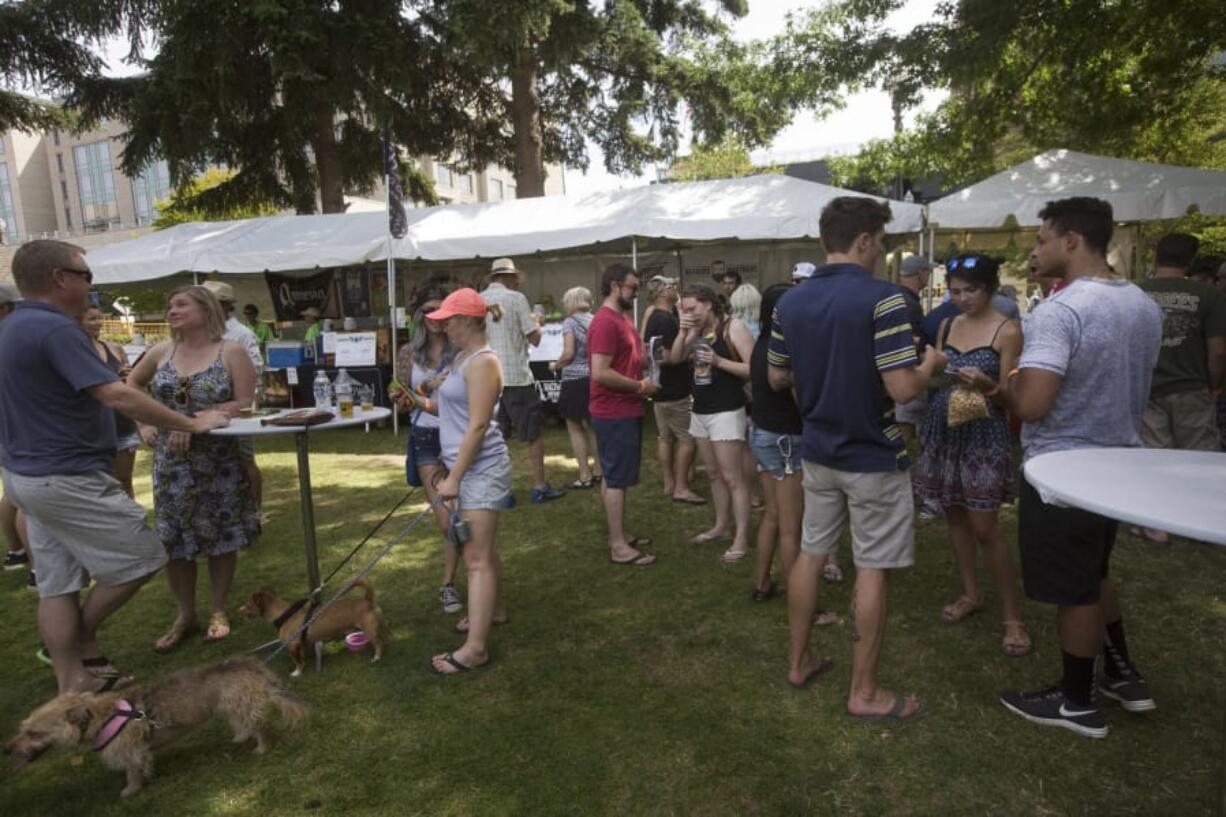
395	201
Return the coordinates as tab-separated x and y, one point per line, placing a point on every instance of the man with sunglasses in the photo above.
56	399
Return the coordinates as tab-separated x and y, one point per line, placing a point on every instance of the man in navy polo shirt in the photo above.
58	435
842	341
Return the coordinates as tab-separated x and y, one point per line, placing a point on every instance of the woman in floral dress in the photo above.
968	468
200	491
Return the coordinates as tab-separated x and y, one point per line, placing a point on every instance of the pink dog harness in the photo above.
124	712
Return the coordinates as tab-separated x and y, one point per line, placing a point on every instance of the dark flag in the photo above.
397	224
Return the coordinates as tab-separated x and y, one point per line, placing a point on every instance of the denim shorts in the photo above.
777	454
486	489
427	450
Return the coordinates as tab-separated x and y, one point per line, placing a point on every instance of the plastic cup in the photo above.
345	404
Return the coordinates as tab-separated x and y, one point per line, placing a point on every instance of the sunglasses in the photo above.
180	396
962	263
88	275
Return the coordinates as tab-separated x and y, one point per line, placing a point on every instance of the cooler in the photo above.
283	354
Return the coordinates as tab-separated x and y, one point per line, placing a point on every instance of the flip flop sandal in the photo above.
769	593
97	667
832	574
641	560
637	542
703	539
174	637
895	713
688	500
824	618
731	556
44	657
219	628
111	683
460	669
580	485
818	669
960	610
1016	642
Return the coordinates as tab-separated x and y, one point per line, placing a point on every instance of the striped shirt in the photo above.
838	331
509	336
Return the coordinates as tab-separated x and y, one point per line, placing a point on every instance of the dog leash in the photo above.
313	615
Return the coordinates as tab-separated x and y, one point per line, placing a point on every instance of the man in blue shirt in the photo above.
842	340
58	436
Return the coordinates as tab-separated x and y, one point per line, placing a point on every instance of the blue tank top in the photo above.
453	420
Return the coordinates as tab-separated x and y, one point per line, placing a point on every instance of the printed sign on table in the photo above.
550	347
356	349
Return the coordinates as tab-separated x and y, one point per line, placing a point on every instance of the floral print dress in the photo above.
203	504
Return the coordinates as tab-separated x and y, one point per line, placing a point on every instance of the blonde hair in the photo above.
214	315
745	302
577	298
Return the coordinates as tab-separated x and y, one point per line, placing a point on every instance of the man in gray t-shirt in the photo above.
1082	382
1076	335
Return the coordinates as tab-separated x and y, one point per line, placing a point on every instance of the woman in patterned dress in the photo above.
968	468
200	491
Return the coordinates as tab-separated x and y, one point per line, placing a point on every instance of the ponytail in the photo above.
494	311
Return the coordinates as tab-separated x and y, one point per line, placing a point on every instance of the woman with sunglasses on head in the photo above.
127	440
478	470
421	365
968	467
720	347
200	491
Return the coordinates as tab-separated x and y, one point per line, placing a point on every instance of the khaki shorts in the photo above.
880	508
673	419
1187	421
721	427
81	526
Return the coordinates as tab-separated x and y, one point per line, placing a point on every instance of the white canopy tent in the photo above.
754	208
1137	191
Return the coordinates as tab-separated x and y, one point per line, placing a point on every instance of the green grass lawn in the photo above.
640	691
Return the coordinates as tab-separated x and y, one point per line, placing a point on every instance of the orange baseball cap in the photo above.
465	302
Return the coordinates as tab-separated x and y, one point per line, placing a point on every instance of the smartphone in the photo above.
394	386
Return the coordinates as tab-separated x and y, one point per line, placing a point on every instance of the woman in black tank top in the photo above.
719	348
125	429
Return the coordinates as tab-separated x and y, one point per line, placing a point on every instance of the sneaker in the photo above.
545	494
930	510
508	501
1132	692
450	598
16	560
1049	707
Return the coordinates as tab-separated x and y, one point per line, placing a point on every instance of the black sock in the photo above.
1078	680
1116	662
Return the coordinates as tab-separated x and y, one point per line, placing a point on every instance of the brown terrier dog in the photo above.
343	615
125	726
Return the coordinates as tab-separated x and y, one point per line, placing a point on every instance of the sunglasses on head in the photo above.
963	263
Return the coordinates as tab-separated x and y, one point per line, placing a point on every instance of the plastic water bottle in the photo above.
323	390
344	388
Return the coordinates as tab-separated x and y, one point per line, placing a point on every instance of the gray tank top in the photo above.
453	420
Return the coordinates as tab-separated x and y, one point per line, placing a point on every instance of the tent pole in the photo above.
391	308
634	265
932	242
195	278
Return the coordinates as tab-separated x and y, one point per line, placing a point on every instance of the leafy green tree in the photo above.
1139	79
727	160
294	95
183	205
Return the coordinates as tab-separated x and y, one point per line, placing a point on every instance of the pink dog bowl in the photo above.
356	642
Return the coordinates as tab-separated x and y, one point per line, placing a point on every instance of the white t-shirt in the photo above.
240	334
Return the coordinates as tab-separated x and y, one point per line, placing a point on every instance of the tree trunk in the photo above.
327	159
526	124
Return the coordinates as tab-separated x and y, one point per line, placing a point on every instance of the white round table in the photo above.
252	427
1181	492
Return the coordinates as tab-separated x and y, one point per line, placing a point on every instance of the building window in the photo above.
68	218
443	175
150	187
96	185
59	161
1	145
495	189
8	213
466	182
64	190
512	191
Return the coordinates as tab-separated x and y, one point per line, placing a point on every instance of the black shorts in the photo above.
574	399
519	413
619	445
1064	551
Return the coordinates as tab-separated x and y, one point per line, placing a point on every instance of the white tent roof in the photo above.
1137	191
754	208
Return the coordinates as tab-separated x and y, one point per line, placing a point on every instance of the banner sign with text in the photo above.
292	294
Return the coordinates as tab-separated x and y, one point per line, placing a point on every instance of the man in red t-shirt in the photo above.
616	406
